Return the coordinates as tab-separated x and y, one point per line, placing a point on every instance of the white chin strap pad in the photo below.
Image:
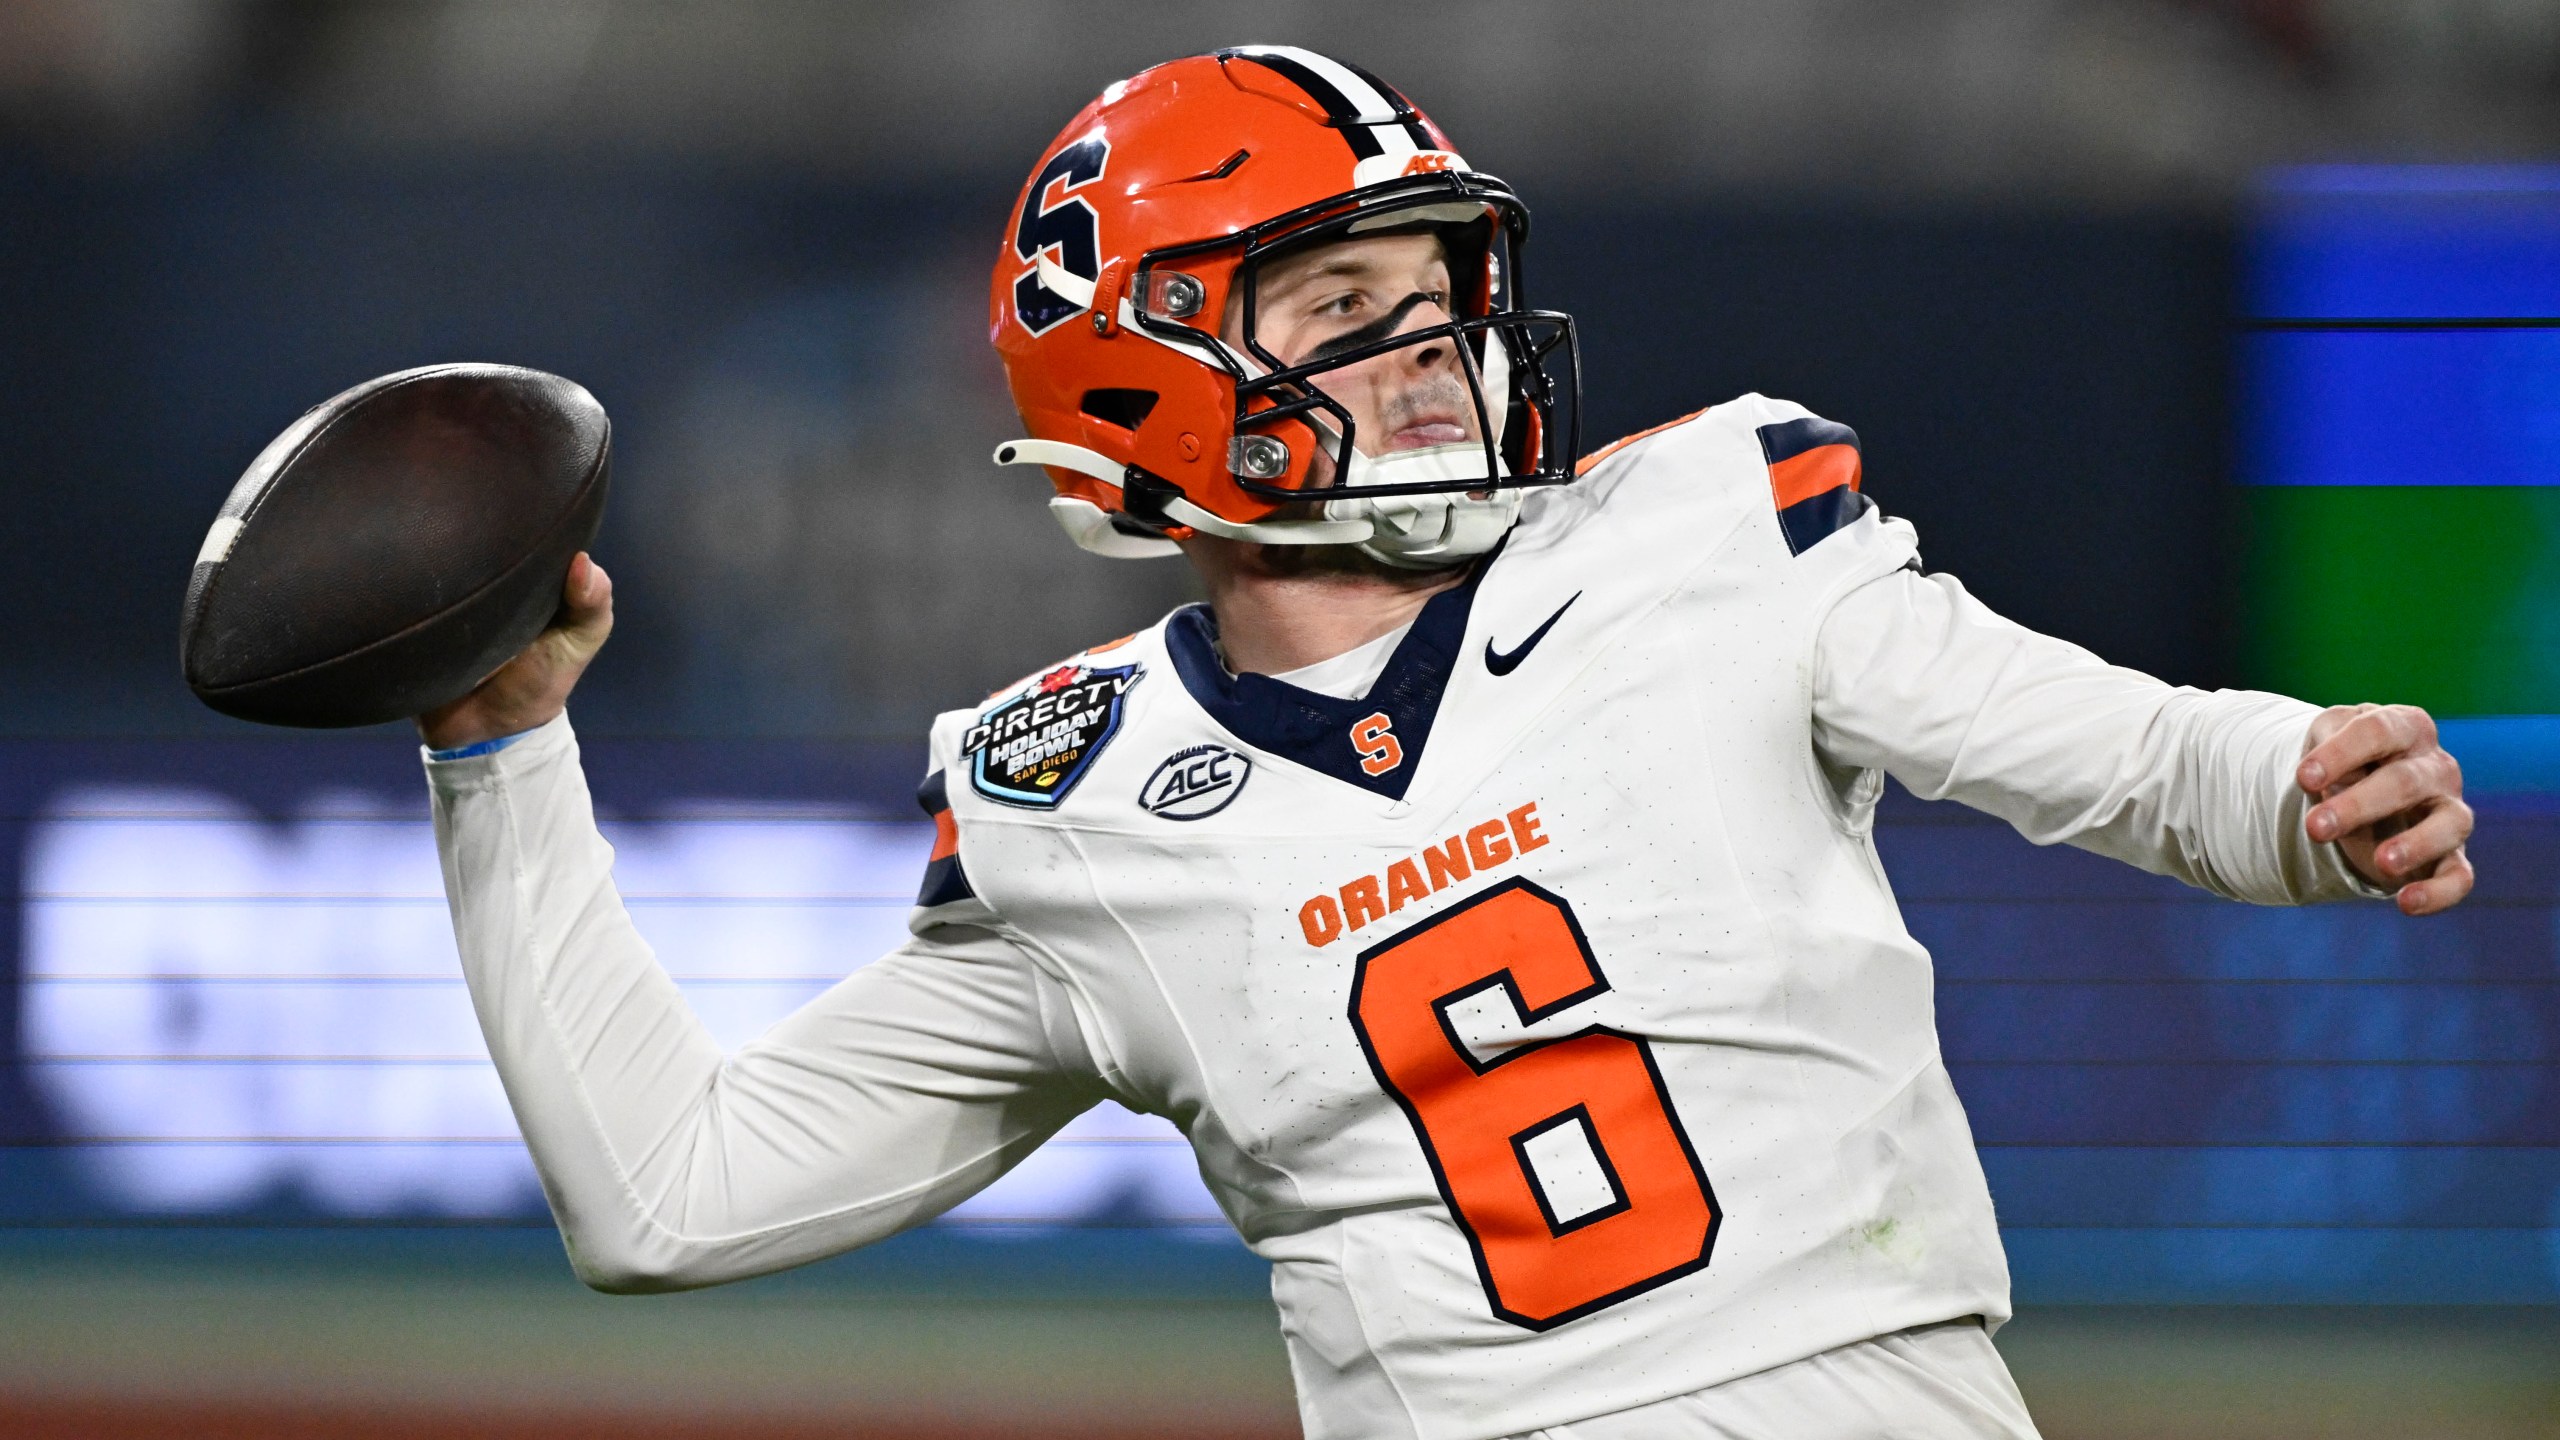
1426	532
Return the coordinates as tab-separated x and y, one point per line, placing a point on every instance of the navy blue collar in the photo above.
1317	730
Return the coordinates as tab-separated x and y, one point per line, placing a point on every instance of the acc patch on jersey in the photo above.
1197	783
1033	748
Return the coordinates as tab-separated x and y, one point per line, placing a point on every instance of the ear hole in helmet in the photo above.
1125	408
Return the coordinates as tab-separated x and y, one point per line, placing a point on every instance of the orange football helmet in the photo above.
1159	202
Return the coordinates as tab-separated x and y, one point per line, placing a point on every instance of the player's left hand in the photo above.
2392	800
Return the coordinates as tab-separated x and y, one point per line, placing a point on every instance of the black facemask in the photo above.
1369	334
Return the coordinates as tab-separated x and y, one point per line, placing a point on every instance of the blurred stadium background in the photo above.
2118	293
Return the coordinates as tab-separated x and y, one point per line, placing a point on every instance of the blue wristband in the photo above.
485	747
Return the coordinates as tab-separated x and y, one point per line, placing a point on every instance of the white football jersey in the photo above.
1542	1014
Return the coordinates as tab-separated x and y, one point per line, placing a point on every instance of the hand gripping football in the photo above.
395	545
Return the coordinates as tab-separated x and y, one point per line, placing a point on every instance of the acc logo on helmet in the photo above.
1397	167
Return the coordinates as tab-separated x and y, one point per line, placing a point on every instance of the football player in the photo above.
1481	880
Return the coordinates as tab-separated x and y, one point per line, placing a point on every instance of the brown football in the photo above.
395	545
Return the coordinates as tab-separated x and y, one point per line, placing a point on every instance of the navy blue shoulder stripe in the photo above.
1808	523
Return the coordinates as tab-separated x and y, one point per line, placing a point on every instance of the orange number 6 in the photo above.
1477	1118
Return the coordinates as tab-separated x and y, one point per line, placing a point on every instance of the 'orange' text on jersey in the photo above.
1471	851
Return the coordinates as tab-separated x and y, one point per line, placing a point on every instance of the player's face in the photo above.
1329	299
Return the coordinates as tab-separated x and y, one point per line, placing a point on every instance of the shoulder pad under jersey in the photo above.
1025	745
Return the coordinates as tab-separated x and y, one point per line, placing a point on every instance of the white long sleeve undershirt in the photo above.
1915	677
896	1094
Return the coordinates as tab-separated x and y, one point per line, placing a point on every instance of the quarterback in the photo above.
1481	879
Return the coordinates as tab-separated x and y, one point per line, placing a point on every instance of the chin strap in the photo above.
1090	526
1087	524
1413	532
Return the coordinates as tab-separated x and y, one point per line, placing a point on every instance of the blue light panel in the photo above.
2396	406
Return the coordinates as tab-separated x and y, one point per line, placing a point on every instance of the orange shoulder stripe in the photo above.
1824	467
1583	466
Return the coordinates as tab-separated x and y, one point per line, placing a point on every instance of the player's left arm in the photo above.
2391	801
1913	676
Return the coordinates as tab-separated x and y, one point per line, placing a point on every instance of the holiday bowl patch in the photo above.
1031	749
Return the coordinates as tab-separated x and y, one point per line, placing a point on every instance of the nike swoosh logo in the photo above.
1502	664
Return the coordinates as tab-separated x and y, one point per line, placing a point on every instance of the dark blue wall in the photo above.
2044	395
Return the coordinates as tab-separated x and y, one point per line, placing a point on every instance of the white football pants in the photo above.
1938	1382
